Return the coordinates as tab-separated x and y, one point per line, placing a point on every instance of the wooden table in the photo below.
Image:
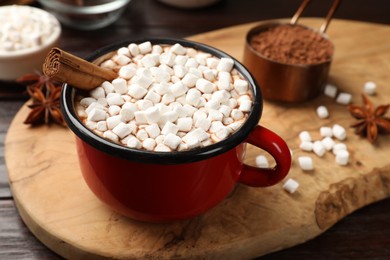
364	234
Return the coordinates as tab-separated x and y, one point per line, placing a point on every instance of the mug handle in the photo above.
272	143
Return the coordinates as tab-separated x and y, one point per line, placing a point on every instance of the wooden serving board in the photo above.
61	211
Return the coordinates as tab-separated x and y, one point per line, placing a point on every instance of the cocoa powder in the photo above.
292	44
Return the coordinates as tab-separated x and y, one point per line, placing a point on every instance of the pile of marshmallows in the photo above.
167	98
24	27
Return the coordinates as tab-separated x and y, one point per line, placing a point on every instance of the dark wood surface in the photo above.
365	234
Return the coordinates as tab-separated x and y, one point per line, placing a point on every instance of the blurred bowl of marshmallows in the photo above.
26	35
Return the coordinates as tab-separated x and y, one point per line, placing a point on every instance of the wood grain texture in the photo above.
60	210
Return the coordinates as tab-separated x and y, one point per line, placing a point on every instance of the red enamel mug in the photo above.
167	186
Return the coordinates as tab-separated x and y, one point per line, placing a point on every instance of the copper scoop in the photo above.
288	82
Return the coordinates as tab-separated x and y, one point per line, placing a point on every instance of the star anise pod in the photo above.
371	121
45	96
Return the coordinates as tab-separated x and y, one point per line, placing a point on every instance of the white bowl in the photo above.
16	63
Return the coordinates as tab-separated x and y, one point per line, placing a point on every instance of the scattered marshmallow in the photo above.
306	163
342	157
305	136
344	98
306	146
326	131
319	148
330	90
369	88
322	112
262	161
291	185
339	132
328	143
338	147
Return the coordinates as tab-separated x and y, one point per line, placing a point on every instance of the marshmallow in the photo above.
142	134
161	76
184	124
115	99
191	140
224	80
369	88
203	123
342	157
172	141
338	147
322	112
326	131
305	136
339	132
344	98
152	115
127	72
306	163
319	148
124	51
153	96
140	117
96	114
157	49
222	133
143	104
192	97
261	161
136	91
148	61
101	126
120	85
169	128
190	80
330	90
85	102
241	86
245	106
291	185
208	74
162	148
149	144
306	146
121	59
108	87
225	64
98	93
237	114
181	60
178	49
328	143
110	136
145	47
133	142
122	130
114	110
204	85
153	130
91	125
113	121
167	58
134	50
178	89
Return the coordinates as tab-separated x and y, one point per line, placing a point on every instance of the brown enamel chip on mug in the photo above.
291	62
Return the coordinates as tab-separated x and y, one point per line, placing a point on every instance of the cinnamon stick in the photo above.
65	67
